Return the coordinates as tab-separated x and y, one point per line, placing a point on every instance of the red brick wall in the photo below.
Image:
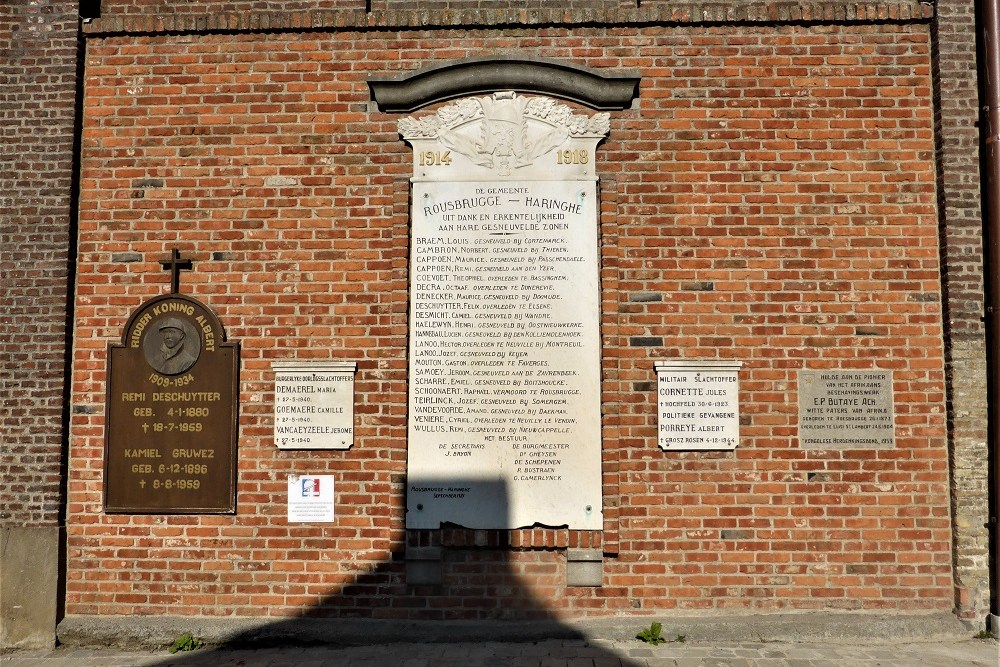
770	198
38	49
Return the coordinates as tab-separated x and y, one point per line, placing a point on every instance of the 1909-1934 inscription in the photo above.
170	442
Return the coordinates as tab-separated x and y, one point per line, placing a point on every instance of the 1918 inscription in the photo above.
171	422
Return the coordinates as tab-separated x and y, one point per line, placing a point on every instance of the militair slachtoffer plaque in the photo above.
698	404
170	440
504	395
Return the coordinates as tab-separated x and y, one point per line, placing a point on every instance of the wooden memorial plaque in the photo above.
172	403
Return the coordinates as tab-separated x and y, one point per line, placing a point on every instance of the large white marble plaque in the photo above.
314	405
504	401
846	409
698	404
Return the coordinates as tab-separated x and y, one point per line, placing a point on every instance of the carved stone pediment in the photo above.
504	132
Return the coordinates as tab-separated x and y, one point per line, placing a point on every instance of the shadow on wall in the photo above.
442	576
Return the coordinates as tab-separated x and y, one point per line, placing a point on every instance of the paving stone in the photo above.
553	653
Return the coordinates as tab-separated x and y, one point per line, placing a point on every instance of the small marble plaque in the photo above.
846	409
314	405
698	403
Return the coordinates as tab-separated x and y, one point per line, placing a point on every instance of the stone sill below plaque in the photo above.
584	567
425	567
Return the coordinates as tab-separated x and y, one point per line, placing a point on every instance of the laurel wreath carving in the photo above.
544	109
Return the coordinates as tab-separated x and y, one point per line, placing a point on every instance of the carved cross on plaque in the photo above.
174	265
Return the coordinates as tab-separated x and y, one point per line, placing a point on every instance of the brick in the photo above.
38	40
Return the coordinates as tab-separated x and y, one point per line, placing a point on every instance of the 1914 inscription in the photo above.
171	412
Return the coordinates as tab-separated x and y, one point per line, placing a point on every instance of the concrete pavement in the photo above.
553	653
792	640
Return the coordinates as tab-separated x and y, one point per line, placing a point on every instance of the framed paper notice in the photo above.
310	499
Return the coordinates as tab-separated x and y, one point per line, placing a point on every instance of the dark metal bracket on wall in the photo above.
597	90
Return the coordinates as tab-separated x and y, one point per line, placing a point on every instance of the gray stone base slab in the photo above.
29	582
137	632
584	567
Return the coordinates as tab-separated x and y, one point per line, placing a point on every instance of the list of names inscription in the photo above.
314	405
504	315
698	404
